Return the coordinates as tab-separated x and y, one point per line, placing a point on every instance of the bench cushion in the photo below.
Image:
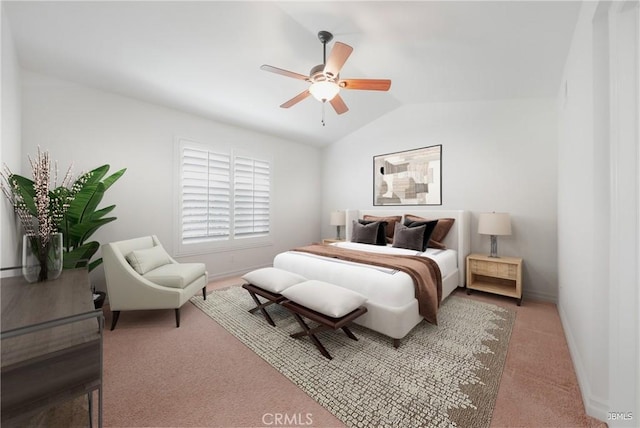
273	279
176	275
328	299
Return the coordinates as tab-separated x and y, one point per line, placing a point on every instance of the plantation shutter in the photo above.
205	195
251	197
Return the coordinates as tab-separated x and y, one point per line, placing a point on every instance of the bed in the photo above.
392	308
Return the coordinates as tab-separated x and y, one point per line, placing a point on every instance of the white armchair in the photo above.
141	275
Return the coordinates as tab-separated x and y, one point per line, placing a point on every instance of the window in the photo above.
224	198
251	197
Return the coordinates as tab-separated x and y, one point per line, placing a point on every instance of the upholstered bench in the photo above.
268	283
329	305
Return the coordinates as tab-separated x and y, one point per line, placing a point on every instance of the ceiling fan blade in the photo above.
366	84
295	100
287	73
337	58
338	104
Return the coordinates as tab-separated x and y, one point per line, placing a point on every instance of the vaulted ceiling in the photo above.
205	57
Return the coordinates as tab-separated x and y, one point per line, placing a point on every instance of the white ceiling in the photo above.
204	57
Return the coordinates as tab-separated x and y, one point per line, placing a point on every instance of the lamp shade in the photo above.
494	224
338	218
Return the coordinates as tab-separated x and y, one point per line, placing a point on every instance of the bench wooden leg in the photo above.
349	333
260	306
306	331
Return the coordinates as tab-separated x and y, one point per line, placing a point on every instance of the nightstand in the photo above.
497	275
326	241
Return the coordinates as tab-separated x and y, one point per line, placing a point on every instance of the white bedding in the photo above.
446	259
388	287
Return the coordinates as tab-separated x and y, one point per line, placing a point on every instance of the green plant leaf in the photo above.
80	232
85	202
95	175
113	178
101	213
79	256
94	264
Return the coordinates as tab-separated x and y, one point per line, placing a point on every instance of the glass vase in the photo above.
41	262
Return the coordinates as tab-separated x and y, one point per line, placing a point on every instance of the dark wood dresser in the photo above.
51	345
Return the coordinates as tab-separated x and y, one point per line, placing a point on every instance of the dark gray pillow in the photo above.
364	233
382	227
410	238
430	226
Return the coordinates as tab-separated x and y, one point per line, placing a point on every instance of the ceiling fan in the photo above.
325	78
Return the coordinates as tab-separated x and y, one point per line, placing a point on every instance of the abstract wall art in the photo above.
412	177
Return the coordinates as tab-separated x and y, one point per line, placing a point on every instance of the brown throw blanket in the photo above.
423	270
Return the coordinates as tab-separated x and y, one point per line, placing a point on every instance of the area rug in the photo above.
440	376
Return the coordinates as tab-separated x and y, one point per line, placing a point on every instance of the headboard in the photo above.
458	238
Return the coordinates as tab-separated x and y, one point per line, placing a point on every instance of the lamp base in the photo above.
338	232
494	247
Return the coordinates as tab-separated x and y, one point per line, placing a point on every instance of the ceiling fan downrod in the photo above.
325	37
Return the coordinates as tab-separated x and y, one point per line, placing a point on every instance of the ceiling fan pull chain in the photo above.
323	103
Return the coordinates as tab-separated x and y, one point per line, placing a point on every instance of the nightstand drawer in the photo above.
498	270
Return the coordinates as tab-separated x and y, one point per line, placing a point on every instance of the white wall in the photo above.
598	214
10	149
90	127
496	156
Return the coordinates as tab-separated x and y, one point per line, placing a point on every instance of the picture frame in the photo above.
411	177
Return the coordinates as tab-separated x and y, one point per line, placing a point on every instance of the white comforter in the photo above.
382	286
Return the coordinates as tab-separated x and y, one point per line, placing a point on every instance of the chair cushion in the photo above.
328	299
176	275
273	279
143	261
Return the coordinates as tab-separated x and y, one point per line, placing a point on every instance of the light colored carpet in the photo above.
445	375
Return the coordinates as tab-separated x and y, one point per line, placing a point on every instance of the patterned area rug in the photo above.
440	376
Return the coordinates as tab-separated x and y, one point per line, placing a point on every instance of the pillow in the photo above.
328	299
143	261
440	231
429	227
381	238
364	233
411	238
273	279
391	224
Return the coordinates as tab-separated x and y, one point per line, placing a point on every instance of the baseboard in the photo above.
237	272
535	295
594	406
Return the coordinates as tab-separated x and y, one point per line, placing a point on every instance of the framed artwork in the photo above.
413	177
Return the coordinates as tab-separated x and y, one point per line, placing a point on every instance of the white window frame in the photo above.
231	242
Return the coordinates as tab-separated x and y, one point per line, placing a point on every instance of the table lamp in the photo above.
338	218
494	224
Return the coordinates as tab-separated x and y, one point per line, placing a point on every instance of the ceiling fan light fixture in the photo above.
324	90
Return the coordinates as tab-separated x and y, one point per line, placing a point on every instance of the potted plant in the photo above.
70	209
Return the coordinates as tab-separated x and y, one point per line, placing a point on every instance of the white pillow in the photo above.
273	279
143	261
328	299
